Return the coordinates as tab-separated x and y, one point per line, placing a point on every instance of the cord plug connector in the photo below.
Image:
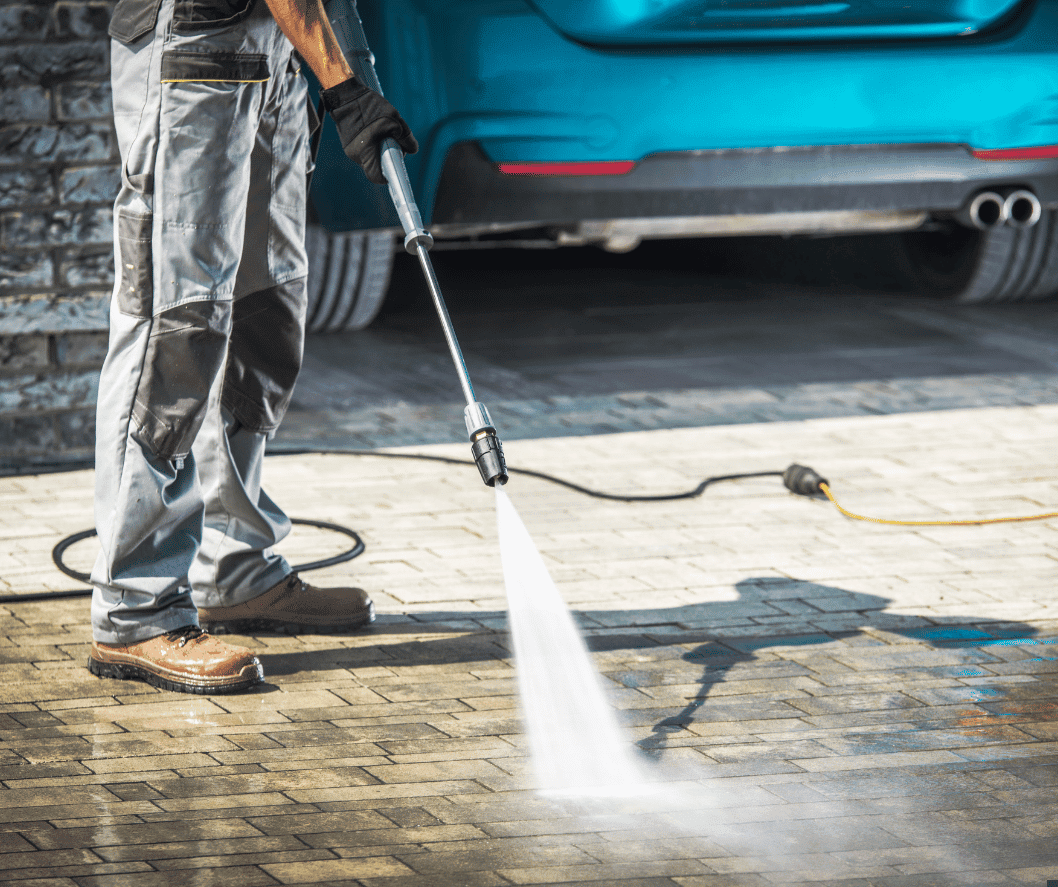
803	481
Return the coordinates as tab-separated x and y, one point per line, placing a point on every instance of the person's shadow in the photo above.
858	611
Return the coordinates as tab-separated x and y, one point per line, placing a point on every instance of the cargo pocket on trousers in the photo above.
133	19
135	295
193	66
199	15
186	349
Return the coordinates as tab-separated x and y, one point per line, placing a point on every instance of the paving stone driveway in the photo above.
820	701
677	334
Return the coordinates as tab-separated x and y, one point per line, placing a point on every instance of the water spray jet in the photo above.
575	743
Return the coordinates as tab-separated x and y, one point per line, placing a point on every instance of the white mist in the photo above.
575	743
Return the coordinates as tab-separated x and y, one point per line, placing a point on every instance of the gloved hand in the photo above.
364	118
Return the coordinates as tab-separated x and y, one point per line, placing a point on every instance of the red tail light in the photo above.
589	168
1043	152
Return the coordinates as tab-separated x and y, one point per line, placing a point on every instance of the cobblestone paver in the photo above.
567	358
823	702
406	424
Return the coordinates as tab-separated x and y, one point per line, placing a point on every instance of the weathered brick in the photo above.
80	20
56	147
89	267
23	21
90	184
77	429
22	353
27	434
42	391
25	269
25	103
80	348
25	187
50	143
81	101
53	312
48	64
56	227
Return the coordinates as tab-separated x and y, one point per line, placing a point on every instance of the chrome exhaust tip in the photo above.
986	211
1022	209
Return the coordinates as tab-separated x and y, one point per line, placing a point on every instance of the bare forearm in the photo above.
306	25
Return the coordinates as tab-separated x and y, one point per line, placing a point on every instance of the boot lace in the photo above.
293	584
182	635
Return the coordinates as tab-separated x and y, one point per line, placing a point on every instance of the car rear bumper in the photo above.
474	194
469	79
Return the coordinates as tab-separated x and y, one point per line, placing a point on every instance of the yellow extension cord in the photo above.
825	488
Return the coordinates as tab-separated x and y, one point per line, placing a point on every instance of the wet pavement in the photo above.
818	701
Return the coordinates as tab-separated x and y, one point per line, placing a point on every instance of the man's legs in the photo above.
186	114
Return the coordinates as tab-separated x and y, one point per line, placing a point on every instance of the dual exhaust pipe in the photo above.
1019	209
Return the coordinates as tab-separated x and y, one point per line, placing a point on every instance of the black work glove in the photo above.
364	119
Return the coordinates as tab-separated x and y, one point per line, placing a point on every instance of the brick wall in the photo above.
58	178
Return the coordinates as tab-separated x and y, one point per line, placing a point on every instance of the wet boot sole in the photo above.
123	671
248	626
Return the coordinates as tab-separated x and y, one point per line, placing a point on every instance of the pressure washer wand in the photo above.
484	442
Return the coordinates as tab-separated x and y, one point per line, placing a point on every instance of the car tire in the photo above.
348	277
998	265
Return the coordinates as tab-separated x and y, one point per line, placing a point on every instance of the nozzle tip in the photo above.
488	455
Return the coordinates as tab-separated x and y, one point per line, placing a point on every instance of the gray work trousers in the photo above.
207	318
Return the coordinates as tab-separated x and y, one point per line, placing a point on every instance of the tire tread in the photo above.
349	274
1007	265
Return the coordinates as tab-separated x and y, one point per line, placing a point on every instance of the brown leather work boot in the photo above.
187	660
293	605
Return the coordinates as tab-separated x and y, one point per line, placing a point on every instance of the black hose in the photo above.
668	497
550	478
358	548
59	550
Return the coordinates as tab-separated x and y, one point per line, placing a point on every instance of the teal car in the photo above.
608	122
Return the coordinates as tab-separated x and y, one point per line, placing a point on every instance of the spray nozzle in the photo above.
488	454
485	445
803	480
